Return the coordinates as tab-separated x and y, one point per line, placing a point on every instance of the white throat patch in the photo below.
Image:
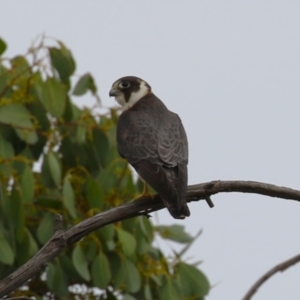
120	99
134	97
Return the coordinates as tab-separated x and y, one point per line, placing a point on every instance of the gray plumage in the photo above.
152	139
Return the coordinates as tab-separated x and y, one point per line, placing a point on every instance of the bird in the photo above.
154	142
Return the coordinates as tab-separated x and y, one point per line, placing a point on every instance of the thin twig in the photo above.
209	202
279	268
58	222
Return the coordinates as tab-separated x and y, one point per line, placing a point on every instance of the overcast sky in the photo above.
231	70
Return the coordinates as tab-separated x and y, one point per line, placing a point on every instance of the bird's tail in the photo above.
177	212
169	182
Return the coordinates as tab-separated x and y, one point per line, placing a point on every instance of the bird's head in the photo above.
128	90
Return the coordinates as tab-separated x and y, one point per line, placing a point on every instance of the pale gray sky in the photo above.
231	70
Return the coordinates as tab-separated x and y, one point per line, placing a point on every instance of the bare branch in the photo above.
279	268
199	191
63	238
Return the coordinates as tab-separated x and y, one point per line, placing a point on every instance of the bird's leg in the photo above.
145	193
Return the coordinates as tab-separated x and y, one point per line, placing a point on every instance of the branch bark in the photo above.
63	238
279	268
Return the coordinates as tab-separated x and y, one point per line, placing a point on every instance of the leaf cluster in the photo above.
57	158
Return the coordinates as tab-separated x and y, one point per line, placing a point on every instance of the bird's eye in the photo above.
124	85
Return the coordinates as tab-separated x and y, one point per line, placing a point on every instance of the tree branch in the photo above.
63	238
199	191
279	268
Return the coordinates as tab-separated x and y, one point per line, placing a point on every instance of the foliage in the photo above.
57	158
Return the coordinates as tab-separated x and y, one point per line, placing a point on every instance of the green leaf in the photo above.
51	170
94	194
33	247
155	253
19	64
129	297
62	60
174	233
193	283
85	83
41	117
53	96
19	75
6	252
46	228
69	197
4	88
101	273
157	279
169	291
136	227
110	176
2	46
80	263
27	184
118	269
107	234
92	250
22	249
81	134
50	201
56	280
71	153
143	245
97	151
5	205
67	265
18	215
54	167
19	117
146	227
102	145
127	241
6	151
133	278
72	112
147	292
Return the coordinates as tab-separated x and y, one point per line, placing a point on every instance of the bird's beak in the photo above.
113	92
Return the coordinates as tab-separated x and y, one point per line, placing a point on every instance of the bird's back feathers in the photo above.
154	142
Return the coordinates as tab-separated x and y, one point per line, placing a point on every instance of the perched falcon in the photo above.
152	139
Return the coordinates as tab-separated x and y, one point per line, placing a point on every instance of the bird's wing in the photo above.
173	150
172	141
155	144
137	133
